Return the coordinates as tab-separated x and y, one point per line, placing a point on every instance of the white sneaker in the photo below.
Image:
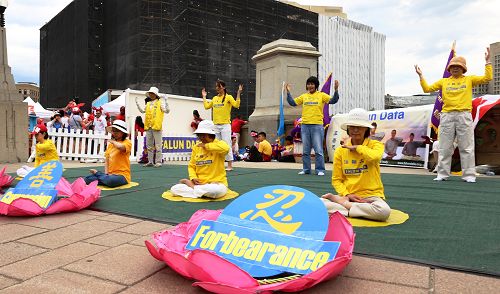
321	173
302	173
148	164
440	179
469	180
158	164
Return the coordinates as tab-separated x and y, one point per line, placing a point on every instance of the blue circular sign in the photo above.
279	209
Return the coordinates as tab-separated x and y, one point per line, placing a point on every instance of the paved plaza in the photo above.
97	252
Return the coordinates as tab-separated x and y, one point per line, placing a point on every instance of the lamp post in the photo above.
3	6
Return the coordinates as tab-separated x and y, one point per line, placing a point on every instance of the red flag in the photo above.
481	105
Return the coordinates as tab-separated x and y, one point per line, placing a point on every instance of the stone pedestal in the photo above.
13	113
277	62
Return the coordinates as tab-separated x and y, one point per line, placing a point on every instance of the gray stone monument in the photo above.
13	112
277	62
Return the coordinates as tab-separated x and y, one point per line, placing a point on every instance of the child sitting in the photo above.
287	154
117	165
263	152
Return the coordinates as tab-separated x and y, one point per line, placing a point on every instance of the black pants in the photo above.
254	155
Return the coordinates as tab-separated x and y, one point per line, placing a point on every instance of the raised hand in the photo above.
417	70
336	85
288	87
487	55
203	93
240	88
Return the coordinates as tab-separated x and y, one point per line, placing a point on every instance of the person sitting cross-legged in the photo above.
356	173
263	151
117	164
207	176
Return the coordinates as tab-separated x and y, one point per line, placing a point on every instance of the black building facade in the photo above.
178	46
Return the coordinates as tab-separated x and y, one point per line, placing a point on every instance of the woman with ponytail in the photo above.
222	105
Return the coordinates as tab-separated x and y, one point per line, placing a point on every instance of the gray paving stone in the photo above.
140	241
388	271
11	232
120	219
50	260
54	221
112	239
14	251
144	228
165	281
125	264
71	234
457	282
6	282
59	281
352	285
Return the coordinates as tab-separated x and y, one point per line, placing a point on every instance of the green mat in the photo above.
452	224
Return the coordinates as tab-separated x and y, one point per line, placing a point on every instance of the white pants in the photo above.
377	210
153	144
456	124
223	132
215	190
24	170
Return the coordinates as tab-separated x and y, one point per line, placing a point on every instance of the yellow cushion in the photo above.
397	217
127	186
229	195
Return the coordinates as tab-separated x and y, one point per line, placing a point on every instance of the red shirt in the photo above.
120	117
236	125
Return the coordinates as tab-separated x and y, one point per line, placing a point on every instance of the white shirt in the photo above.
100	125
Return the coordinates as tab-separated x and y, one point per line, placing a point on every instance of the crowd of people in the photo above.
356	164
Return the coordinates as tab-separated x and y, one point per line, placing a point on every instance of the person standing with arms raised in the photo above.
312	131
155	110
456	118
221	106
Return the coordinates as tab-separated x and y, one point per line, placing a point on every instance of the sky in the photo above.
417	32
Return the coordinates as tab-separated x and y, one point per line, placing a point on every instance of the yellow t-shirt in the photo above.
207	164
222	111
119	161
265	148
359	172
45	151
312	107
457	92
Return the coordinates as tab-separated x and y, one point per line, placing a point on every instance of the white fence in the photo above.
85	145
76	144
168	156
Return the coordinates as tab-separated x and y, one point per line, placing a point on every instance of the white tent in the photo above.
31	105
42	112
113	107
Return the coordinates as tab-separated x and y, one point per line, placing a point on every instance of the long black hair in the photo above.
138	120
221	83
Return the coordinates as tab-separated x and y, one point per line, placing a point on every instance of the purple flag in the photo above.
438	105
326	108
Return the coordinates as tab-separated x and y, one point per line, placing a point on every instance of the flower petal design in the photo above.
219	275
79	196
225	289
226	272
5	179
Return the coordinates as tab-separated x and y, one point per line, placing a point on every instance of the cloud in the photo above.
417	32
24	18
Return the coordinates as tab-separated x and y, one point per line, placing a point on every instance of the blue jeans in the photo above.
312	136
106	180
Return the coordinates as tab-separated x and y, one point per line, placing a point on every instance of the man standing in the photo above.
155	109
